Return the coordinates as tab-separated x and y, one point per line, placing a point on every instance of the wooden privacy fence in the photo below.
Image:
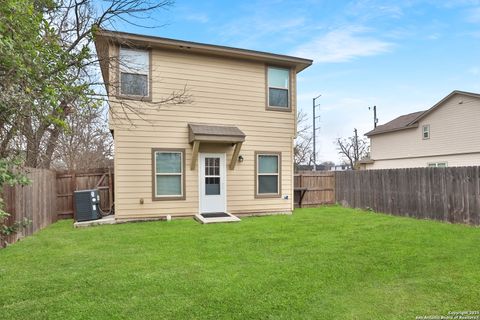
68	182
50	196
36	202
448	194
319	188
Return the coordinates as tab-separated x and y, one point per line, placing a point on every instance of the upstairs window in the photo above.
278	88
426	132
134	72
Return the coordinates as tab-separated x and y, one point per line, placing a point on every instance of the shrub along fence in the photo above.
449	194
36	202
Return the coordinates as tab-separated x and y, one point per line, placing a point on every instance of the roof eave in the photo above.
366	161
374	133
201	48
102	56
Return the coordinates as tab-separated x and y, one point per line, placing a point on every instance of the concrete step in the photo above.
104	220
217	217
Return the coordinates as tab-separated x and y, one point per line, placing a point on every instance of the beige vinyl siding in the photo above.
454	133
458	160
223	92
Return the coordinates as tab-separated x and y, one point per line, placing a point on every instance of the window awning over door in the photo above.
201	133
210	133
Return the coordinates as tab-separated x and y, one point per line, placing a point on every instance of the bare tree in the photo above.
352	149
34	132
86	143
303	153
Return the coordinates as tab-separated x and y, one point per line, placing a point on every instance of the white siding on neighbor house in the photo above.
451	161
224	92
454	138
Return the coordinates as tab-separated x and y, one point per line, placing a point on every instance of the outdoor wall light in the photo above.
240	159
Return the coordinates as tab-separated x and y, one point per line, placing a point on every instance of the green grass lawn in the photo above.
320	263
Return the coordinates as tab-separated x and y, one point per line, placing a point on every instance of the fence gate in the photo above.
319	188
70	181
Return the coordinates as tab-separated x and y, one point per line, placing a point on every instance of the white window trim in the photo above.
267	174
147	72
427	127
169	174
436	164
279	88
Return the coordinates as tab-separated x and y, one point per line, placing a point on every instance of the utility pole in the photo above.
355	146
375	119
315	133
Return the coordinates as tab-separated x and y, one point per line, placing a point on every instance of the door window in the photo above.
212	176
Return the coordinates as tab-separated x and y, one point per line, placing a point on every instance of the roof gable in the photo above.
441	102
411	120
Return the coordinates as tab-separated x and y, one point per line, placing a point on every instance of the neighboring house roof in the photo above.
130	39
411	120
396	124
366	161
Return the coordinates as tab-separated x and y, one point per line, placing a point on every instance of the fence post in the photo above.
334	186
73	187
110	189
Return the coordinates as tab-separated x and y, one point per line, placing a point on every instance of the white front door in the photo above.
212	180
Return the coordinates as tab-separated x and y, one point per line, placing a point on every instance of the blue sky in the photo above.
402	56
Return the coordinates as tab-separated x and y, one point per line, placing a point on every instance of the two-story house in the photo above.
229	149
447	134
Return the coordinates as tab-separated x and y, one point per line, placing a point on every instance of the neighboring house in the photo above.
309	167
229	150
341	167
322	167
447	134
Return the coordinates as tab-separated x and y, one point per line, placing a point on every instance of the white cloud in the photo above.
197	17
474	70
257	31
457	3
434	36
475	34
368	9
343	44
473	15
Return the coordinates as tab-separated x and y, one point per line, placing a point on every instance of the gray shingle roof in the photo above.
213	132
411	120
401	122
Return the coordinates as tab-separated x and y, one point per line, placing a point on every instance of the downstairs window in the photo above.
168	174
267	174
